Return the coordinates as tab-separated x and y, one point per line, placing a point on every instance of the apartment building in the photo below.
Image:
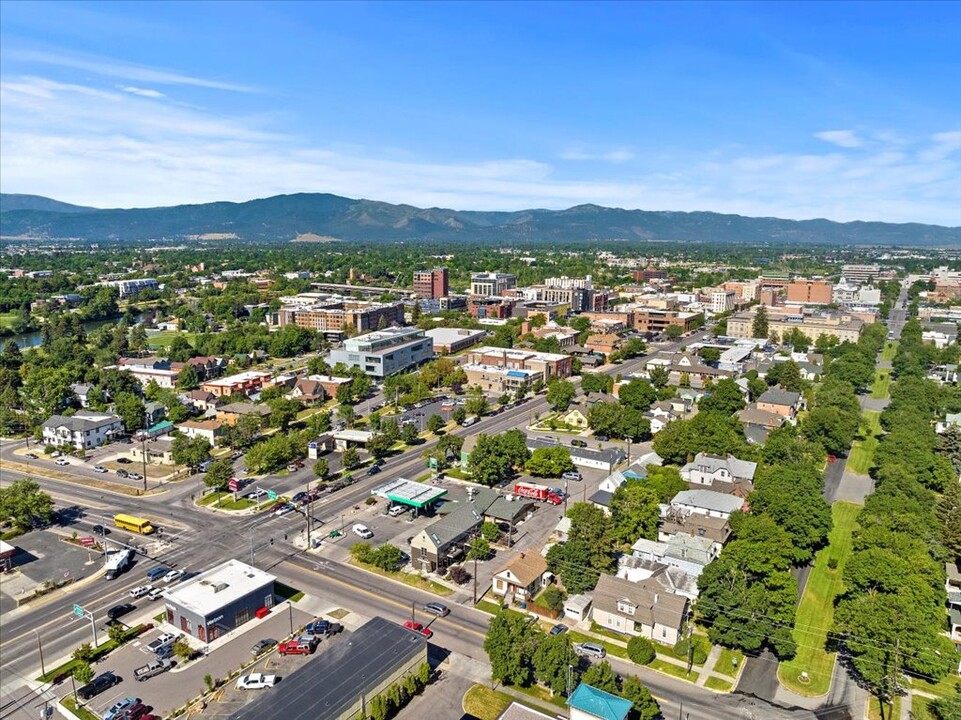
499	370
385	352
126	288
860	274
333	314
83	430
246	382
487	284
431	284
845	327
651	320
723	301
810	292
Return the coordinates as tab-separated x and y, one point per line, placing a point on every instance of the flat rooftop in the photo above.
327	684
219	586
408	492
447	336
239	378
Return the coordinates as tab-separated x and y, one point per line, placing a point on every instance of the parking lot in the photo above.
172	689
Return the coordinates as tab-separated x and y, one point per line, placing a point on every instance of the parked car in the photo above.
140	591
572	475
137	711
395	510
173	576
98	685
362	531
436	608
256	681
558	629
155	594
99	469
100	530
152	668
123	473
124	461
262	646
135	476
578	443
62	461
236	456
164	639
32	456
419	629
156	573
257	494
120	610
602	438
588	648
304	645
116	710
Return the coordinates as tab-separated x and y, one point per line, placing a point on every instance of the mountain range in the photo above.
283	218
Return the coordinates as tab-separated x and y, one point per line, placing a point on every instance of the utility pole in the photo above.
475	576
252	547
290	616
40	650
143	457
412	613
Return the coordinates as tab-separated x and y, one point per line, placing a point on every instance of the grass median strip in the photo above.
882	383
862	452
716	683
815	614
407	578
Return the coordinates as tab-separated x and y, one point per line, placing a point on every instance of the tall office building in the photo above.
431	284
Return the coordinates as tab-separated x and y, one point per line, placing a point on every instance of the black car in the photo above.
98	685
120	610
124	461
373	470
558	629
100	530
578	443
123	473
262	646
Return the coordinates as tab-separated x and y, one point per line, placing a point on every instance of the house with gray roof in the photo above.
708	469
673	579
707	502
782	402
83	430
606	459
689	553
643	608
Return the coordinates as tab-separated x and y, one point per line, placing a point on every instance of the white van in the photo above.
362	531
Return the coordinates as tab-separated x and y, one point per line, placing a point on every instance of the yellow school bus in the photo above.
134	524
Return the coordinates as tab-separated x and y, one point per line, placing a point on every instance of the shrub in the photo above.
832	563
641	650
459	575
553	597
682	649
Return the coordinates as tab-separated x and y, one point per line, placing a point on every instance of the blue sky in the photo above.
800	110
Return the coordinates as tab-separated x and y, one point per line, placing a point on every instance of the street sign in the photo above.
432	462
78	611
271	495
86	541
233	484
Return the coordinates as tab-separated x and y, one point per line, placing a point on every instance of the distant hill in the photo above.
13	201
285	217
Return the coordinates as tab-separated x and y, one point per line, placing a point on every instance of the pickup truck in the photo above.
152	668
256	681
164	639
304	645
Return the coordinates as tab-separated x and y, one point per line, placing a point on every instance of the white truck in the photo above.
117	563
256	681
152	668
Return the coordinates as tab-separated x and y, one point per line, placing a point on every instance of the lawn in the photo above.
889	351
672	669
882	383
725	663
407	578
165	337
595	628
716	683
815	614
946	688
488	607
484	703
80	711
862	452
874	712
7	319
228	503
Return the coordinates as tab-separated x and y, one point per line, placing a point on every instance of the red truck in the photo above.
537	492
304	645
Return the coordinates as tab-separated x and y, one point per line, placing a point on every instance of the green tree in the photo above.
477	406
587	552
710	354
560	394
833	428
791	495
25	504
549	462
219	472
117	633
350	458
509	645
479	549
637	394
283	412
550	661
189	451
596	382
131	410
725	398
321	469
641	650
659	376
490	531
759	325
83	672
635	512
673	332
601	676
379	444
706	432
345	393
408	433
665	481
459	415
182	648
643	704
553	598
346	413
386	557
188	379
435	423
488	465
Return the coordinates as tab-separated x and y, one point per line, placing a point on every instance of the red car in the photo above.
300	646
419	629
277	505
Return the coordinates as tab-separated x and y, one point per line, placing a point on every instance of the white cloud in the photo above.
118	69
841	138
618	155
142	92
108	148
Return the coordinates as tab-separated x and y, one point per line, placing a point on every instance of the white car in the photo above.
62	461
362	531
99	469
256	681
141	590
155	594
257	494
284	509
173	575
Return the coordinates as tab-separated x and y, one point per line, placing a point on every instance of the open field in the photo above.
815	614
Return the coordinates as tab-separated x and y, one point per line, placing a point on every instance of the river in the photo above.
35	338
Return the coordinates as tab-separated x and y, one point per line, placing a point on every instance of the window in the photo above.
663	632
626	607
242	616
269	600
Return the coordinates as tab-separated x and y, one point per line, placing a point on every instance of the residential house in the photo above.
953	586
154	412
603	344
690	553
150	370
758	423
329	383
606	459
952	421
782	402
673	579
562	530
589	703
602	499
82	392
707	502
307	391
243	383
83	430
709	469
158	450
642	608
231	413
522	577
575	418
200	400
210	430
716	530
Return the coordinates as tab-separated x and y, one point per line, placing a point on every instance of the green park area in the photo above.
809	673
164	338
862	451
882	383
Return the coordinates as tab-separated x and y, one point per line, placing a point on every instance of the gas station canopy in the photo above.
410	493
